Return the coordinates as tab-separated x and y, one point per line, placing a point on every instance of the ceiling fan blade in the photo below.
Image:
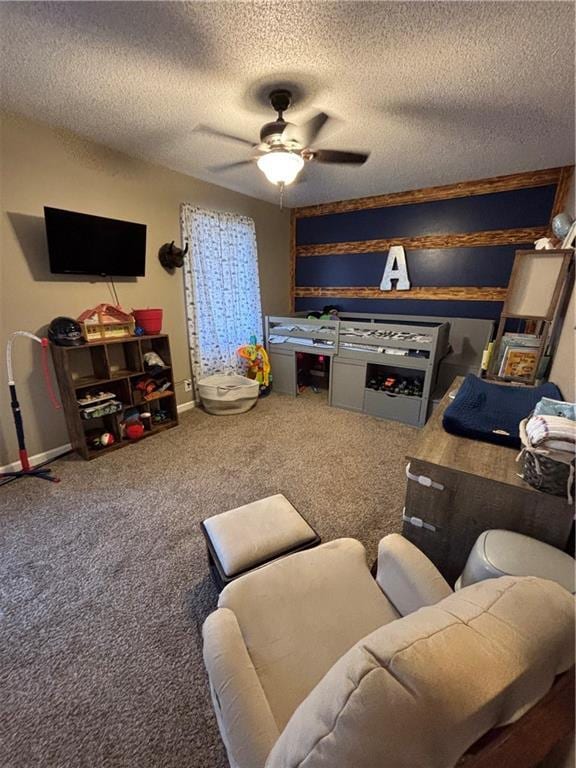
335	156
221	135
307	133
229	166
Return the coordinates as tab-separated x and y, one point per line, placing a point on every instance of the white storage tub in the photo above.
224	395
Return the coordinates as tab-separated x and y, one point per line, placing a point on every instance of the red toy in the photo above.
134	430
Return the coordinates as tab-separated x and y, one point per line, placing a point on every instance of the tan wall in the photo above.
41	165
563	370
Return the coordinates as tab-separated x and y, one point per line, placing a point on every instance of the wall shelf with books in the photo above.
525	341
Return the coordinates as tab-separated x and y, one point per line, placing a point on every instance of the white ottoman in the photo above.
251	536
505	553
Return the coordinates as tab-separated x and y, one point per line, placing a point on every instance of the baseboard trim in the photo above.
39	458
54	453
187	406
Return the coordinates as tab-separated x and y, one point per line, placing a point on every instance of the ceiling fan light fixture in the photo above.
280	166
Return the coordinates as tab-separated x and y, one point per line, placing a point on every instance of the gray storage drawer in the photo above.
347	382
380	358
283	367
385	405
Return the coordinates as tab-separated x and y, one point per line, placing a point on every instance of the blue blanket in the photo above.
492	412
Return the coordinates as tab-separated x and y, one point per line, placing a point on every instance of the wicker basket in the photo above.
543	470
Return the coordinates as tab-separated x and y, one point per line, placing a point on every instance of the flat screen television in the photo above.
81	244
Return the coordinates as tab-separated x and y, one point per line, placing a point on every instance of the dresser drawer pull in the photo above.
417	522
427	482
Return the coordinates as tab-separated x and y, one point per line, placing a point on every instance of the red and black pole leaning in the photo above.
27	471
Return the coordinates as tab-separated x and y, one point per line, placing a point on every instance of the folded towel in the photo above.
549	407
558	445
546	428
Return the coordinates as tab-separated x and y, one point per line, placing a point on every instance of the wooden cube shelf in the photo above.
115	365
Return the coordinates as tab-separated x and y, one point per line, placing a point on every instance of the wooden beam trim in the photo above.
292	267
489	237
429	194
561	193
466	293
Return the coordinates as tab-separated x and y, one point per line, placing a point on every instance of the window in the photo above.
222	288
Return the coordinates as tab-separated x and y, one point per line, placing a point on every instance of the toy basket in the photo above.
548	471
223	395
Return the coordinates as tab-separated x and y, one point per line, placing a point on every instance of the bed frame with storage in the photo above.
359	349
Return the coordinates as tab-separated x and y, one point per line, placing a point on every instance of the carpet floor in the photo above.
104	585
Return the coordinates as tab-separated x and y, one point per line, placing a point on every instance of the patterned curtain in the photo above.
222	288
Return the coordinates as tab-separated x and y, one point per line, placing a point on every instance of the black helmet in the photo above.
66	332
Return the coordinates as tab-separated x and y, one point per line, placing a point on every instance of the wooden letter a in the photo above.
395	269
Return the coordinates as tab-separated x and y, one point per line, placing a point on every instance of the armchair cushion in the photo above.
239	702
421	690
409	579
300	614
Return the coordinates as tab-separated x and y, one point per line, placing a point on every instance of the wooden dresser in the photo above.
466	487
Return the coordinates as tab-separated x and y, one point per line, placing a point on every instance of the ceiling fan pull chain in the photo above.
281	185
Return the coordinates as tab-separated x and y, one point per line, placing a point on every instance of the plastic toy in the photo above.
101	409
131	414
92	397
329	312
147	386
396	384
153	362
101	439
106	322
258	363
134	430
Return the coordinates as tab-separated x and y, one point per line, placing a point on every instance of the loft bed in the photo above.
298	334
468	338
378	364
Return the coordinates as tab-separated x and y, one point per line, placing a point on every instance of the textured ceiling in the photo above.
439	92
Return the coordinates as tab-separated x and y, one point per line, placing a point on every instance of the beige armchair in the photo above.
314	664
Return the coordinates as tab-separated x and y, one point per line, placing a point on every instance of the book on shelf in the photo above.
519	363
487	356
513	340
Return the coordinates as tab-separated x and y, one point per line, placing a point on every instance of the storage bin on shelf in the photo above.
227	394
150	320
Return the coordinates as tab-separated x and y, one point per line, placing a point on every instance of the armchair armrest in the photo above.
407	577
246	723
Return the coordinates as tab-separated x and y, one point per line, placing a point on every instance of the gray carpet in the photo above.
104	585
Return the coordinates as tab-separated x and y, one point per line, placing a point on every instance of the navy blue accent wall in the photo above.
499	210
483	310
483	265
487	266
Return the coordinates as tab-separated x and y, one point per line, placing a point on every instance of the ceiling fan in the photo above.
284	148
